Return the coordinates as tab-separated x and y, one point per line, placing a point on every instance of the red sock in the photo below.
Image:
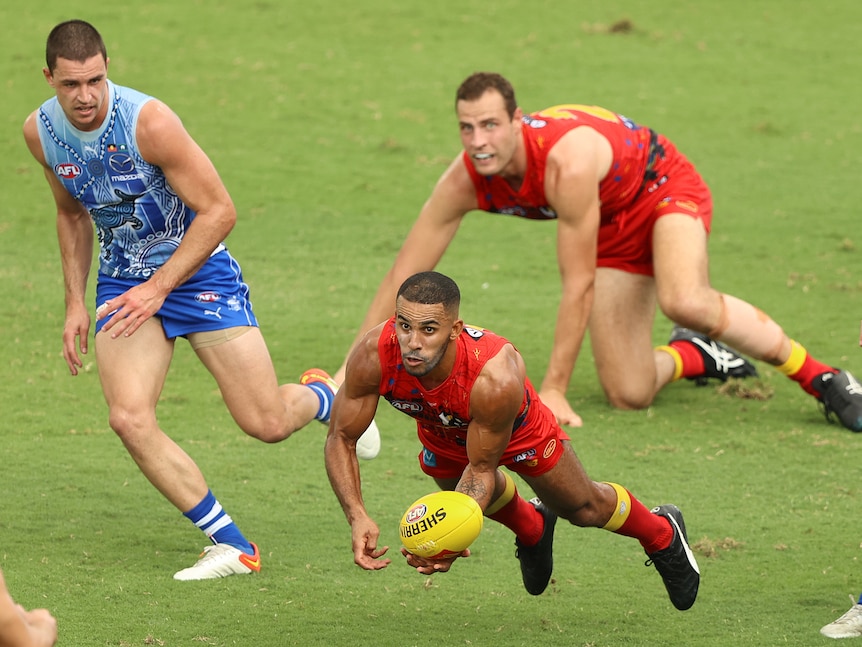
810	369
519	516
692	360
652	531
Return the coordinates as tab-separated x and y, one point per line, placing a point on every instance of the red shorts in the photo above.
625	240
530	452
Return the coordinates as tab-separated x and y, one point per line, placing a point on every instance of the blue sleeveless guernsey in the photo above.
140	220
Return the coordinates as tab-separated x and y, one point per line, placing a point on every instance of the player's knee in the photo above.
128	424
268	429
687	310
584	515
629	399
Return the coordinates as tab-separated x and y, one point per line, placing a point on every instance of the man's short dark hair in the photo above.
74	40
478	83
431	288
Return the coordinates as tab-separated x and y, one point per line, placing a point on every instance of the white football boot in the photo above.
221	560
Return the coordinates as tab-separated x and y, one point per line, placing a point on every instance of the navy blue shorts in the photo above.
215	298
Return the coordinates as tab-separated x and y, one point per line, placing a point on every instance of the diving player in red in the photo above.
633	218
476	411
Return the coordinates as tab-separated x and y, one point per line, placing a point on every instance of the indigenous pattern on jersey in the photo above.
442	414
139	219
648	178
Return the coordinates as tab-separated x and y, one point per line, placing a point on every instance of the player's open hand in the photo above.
76	331
366	553
428	566
41	626
557	403
128	311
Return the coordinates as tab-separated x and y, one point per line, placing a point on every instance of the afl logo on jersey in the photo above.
67	171
529	455
407	407
207	297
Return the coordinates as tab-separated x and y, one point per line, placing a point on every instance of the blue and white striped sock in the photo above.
209	516
326	396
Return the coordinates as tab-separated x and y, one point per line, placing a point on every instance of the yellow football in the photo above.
441	524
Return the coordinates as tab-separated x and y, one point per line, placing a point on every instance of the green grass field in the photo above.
329	122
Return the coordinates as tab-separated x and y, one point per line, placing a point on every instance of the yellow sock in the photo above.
796	359
508	494
677	360
623	508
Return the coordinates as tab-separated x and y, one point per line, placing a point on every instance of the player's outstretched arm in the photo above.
352	411
576	165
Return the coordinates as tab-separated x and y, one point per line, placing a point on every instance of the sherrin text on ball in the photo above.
441	524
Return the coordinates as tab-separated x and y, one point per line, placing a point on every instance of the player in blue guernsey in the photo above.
123	160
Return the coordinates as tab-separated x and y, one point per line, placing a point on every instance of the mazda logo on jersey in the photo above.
67	171
121	163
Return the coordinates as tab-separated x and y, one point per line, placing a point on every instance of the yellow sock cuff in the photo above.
623	508
677	360
797	358
509	493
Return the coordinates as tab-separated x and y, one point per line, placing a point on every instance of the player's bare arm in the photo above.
494	404
353	410
75	236
576	165
438	221
164	142
19	627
